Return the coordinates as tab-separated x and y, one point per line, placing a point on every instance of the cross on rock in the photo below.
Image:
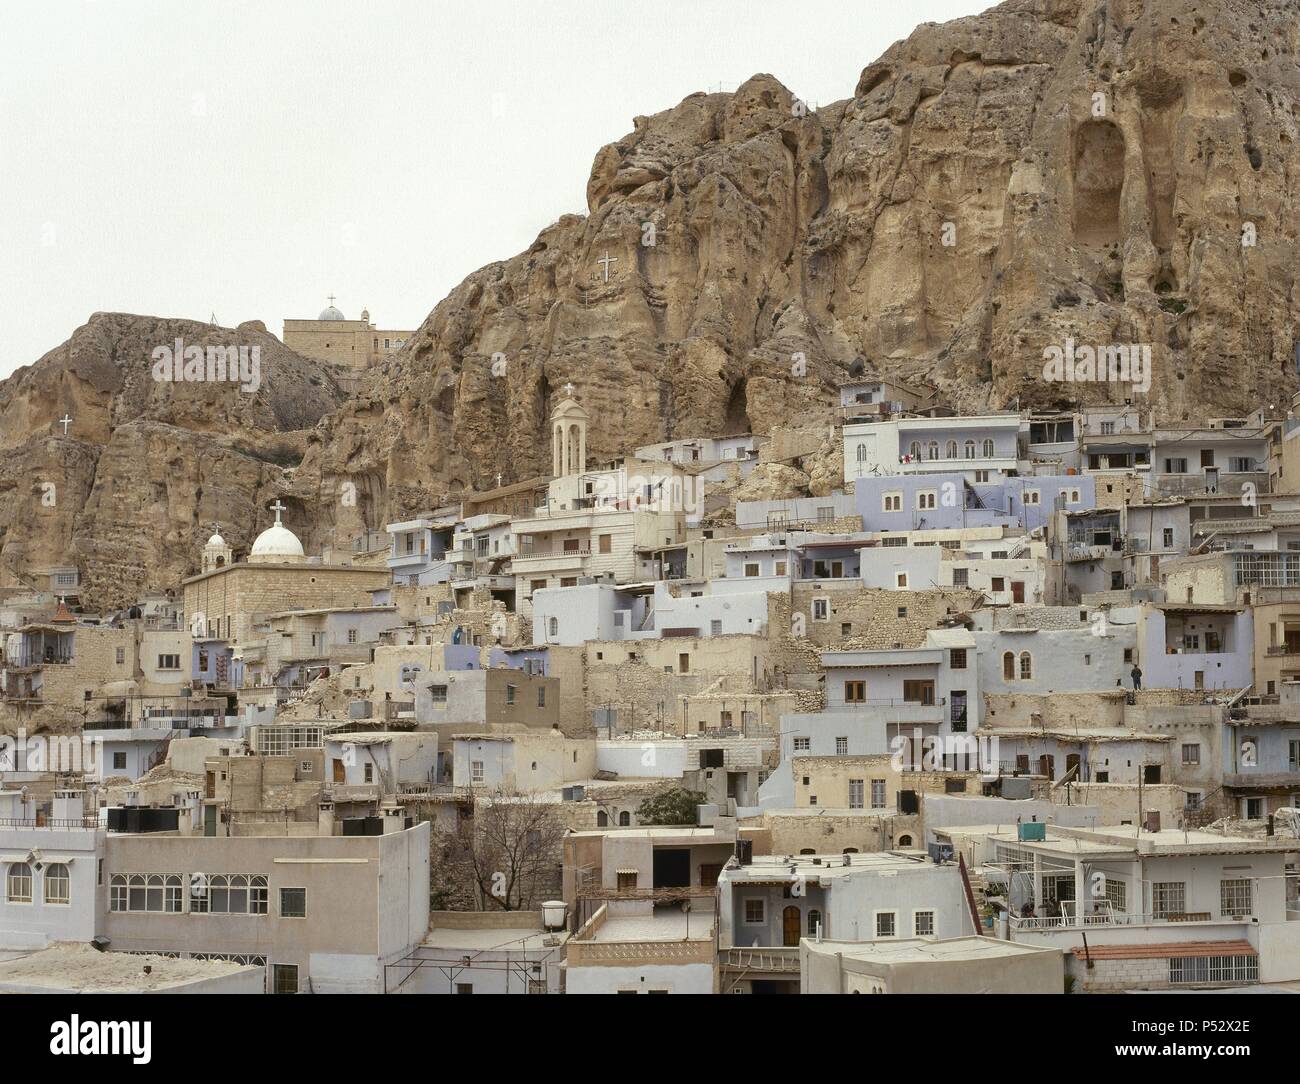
65	421
607	259
568	389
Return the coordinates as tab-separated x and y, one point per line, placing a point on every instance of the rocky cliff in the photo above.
1050	171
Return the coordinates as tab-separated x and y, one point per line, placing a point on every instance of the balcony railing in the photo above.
38	658
1061	922
76	822
583	550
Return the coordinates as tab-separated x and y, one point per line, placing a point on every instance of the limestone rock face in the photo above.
1047	173
1050	171
130	492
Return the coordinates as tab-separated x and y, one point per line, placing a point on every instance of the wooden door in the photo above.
790	927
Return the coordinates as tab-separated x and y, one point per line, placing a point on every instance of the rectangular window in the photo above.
957	658
121	657
998	584
293	903
510	694
857	793
961	577
1168	898
922	923
476	771
284	978
715	628
802	745
352	636
169	662
1234	898
755	911
119	761
541	696
877	794
145	893
228	894
855	692
886	923
821	609
626	880
841	747
1117	894
1240	969
780	568
1191	754
438	693
751	568
606	543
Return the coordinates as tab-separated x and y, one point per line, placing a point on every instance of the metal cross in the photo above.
607	260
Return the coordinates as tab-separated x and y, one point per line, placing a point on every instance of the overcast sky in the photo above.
247	159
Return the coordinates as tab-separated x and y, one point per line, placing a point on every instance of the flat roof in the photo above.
65	966
925	949
491	940
669	924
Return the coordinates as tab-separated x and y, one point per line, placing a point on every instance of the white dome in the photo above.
277	541
216	541
331	313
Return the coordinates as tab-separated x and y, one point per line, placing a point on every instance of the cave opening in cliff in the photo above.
737	421
1098	182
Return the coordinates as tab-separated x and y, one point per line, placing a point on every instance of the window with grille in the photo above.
1234	897
284	978
754	911
293	903
1185	969
877	794
1117	894
802	745
841	747
923	924
1168	898
886	923
857	792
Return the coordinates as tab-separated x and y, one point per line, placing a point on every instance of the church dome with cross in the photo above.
277	544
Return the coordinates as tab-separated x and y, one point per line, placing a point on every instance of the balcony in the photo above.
29	660
535	559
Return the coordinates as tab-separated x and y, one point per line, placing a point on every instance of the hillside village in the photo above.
1015	707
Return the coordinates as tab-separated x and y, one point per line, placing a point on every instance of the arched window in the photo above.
1009	666
58	884
952	450
18	884
140	892
862	453
915	449
988	448
1026	666
934	449
624	819
904	841
970	449
814	920
602	819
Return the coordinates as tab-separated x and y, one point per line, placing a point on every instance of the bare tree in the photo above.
507	854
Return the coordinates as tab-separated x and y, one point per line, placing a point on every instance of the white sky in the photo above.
185	158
